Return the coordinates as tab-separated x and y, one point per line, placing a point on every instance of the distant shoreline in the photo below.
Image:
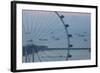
62	48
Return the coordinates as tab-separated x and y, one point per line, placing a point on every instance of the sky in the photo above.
46	29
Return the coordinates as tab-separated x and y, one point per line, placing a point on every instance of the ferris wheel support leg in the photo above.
33	55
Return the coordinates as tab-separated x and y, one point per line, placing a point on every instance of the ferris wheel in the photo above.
49	29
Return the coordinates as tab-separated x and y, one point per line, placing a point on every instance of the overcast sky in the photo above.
45	28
